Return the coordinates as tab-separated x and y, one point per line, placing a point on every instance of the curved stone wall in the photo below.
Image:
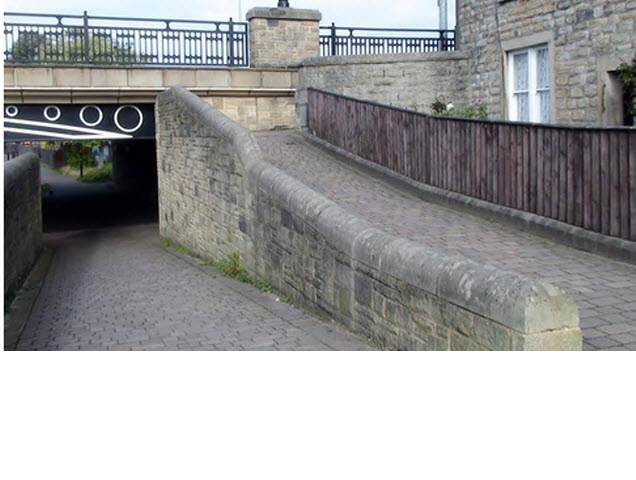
218	195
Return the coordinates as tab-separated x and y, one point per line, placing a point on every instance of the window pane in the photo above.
521	71
544	98
523	109
543	68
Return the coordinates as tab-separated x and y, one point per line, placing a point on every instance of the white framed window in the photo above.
529	80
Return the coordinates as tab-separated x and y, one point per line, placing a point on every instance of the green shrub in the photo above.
627	76
477	109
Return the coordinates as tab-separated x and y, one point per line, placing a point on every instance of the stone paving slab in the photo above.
604	289
119	289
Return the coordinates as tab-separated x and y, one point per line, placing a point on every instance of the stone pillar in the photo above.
282	37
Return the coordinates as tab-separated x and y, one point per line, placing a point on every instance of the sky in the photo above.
356	13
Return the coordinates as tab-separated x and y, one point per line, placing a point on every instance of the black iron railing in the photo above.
375	41
72	39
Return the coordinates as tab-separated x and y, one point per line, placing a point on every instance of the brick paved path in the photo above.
604	290
118	289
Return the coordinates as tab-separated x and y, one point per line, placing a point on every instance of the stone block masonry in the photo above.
586	40
411	81
218	195
282	37
22	219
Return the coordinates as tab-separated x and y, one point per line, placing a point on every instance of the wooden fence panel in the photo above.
582	176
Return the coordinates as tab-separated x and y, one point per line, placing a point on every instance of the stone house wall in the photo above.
587	39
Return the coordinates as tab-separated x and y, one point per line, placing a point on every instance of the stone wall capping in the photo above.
284	13
387	58
519	305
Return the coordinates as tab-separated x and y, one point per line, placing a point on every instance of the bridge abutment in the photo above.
135	168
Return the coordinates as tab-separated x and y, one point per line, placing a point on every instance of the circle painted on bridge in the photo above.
57	113
127	121
11	111
92	111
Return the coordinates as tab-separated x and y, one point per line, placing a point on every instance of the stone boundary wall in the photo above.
218	195
412	80
22	218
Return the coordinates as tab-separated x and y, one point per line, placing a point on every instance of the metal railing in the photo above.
375	41
72	39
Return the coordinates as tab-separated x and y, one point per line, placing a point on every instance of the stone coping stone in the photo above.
16	167
284	13
385	58
196	68
515	301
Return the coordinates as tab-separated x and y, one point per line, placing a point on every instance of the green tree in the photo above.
52	47
29	47
78	154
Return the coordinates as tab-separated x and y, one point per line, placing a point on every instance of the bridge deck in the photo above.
604	290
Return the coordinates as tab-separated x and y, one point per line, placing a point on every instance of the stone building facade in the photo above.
585	41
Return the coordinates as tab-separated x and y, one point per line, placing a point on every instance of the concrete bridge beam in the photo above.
259	99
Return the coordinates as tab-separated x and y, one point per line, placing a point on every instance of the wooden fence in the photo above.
582	176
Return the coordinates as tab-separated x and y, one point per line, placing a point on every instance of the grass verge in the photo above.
230	267
101	174
98	175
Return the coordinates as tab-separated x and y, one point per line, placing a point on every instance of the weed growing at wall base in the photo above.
230	267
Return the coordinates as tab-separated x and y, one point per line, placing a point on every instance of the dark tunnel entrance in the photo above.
115	141
129	198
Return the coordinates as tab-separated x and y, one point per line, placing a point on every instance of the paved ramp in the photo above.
604	290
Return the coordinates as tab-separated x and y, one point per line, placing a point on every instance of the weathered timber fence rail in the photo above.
85	39
581	176
377	41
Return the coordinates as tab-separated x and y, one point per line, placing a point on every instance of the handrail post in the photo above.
442	42
334	49
230	45
86	46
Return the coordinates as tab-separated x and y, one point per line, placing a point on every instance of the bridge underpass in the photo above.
603	289
259	99
129	128
111	285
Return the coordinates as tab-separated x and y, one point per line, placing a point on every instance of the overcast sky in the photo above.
358	13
